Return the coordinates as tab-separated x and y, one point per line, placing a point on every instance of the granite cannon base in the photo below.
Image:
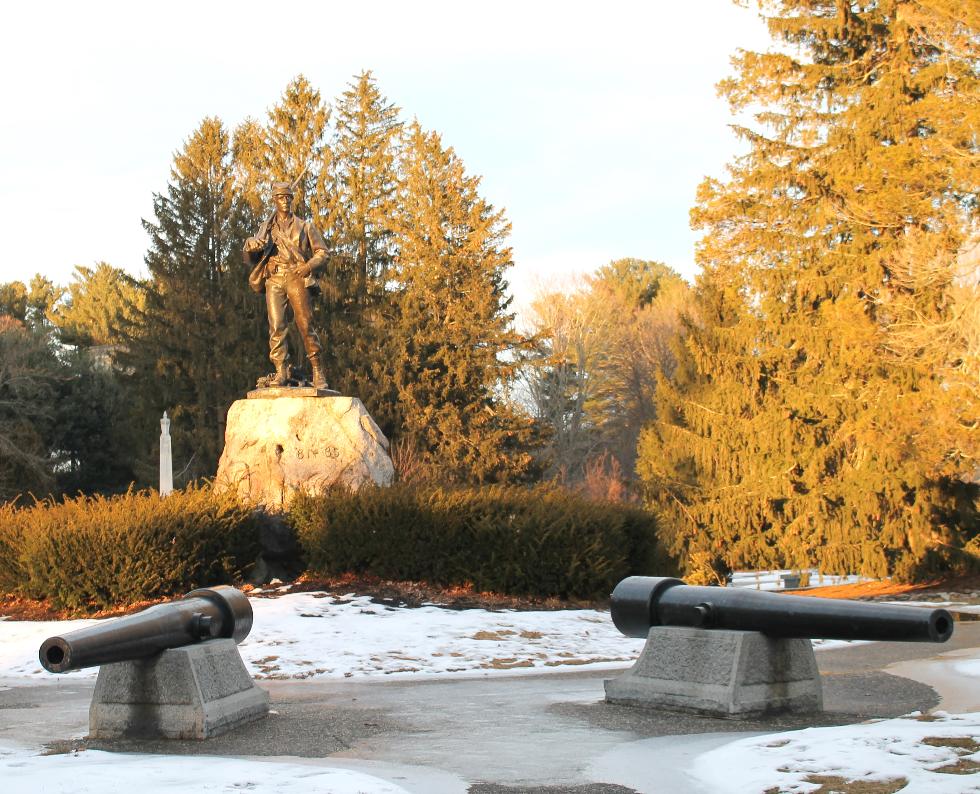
193	692
722	673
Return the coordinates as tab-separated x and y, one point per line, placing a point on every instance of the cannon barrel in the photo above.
640	602
203	614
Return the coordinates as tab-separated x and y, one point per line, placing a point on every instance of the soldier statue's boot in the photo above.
281	376
319	378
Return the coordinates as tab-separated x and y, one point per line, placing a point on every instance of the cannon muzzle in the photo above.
204	614
641	602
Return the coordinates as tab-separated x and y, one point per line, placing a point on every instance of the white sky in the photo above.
591	124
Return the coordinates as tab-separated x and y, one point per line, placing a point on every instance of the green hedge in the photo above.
543	541
97	552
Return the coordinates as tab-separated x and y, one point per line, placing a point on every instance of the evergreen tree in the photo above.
30	374
201	337
789	437
934	321
29	304
64	417
362	193
13	300
248	156
364	183
93	439
98	304
42	295
452	323
295	142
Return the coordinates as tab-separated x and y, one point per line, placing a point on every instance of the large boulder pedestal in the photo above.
279	442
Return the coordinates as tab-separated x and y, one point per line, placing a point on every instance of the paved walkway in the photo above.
531	733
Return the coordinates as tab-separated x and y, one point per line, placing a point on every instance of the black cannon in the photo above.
641	602
204	614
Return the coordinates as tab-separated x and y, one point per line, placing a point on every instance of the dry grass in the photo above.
966	745
965	766
492	635
830	784
962	745
508	664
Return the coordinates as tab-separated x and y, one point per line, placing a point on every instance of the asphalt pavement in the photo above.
544	733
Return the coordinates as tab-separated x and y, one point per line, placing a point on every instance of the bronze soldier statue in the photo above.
283	255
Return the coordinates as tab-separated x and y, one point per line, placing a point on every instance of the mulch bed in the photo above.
416	594
384	591
941	589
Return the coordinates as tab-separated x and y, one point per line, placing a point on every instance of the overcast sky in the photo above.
591	124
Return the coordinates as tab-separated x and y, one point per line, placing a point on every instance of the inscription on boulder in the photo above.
275	448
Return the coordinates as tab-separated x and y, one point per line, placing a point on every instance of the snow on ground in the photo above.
309	635
956	606
315	635
21	639
971	667
96	772
934	754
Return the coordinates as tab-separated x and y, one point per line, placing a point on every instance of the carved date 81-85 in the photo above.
318	452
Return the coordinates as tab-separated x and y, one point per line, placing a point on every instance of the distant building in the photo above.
105	357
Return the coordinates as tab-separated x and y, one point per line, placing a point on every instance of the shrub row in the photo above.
97	552
543	541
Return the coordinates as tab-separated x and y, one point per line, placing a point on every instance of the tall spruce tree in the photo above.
30	379
788	437
248	157
30	303
200	339
934	321
364	182
295	147
99	302
13	300
451	327
93	444
362	193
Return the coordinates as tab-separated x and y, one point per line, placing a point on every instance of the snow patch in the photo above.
97	772
914	748
316	635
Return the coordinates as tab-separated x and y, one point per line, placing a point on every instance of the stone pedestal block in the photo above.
720	673
193	692
277	444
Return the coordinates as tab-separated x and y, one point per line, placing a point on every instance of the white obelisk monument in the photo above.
166	459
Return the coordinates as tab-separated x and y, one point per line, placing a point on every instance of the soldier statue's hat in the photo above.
281	189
